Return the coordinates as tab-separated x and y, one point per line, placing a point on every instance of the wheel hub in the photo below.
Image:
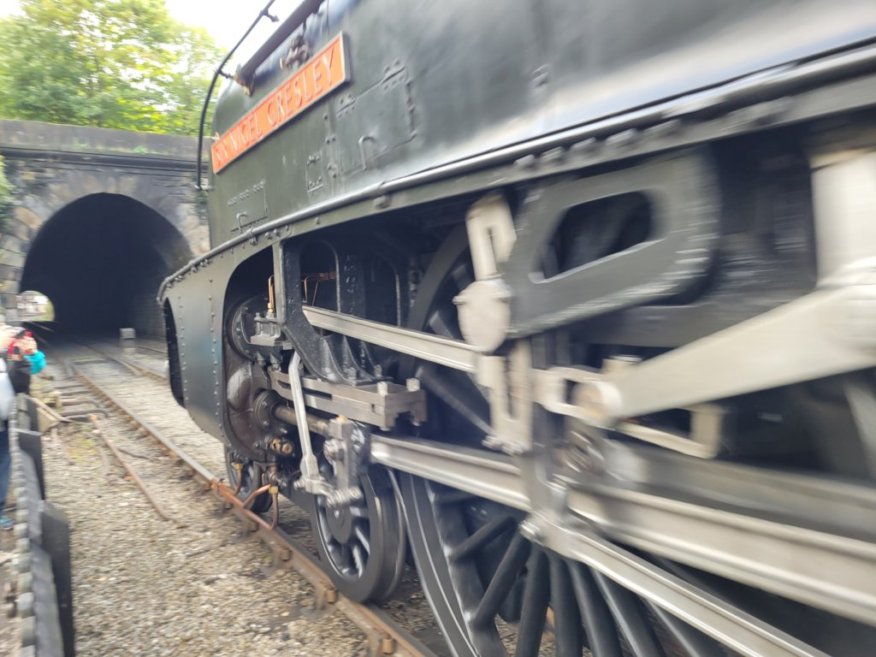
339	522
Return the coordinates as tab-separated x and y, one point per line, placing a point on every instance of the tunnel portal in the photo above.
100	261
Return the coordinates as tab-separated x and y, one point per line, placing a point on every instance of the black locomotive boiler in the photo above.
573	300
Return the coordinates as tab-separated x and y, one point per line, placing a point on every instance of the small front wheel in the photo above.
362	544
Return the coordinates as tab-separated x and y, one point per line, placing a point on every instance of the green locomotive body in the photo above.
599	273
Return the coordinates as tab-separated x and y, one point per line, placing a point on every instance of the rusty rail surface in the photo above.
102	434
131	366
384	635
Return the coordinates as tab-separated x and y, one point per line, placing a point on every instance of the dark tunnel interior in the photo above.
100	260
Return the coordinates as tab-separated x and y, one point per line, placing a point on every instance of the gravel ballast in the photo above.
195	585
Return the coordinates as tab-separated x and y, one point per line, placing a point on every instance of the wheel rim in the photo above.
251	475
362	544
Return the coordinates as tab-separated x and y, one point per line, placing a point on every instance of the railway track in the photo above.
94	366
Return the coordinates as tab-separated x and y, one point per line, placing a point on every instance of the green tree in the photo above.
110	63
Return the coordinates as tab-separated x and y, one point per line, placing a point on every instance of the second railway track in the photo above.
163	430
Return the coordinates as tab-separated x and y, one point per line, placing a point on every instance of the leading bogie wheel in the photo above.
362	543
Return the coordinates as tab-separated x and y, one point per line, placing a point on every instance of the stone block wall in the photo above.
51	167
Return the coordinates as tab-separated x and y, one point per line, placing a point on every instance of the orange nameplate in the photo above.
319	75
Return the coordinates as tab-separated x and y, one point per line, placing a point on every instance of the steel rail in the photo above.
131	366
142	345
132	472
137	368
384	635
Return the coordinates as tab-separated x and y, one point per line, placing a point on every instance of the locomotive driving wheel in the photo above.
496	590
512	596
361	543
245	476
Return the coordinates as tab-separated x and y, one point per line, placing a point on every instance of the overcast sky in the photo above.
226	20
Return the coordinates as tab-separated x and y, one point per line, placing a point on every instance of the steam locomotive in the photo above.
573	300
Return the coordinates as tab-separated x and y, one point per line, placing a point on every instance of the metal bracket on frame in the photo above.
508	381
485	304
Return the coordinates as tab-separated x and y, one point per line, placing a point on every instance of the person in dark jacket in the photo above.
22	359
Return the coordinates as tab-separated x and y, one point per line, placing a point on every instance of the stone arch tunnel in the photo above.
99	218
101	259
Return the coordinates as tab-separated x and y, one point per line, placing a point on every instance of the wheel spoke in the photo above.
506	574
536	595
567	620
443	323
630	618
334	550
451	496
694	642
358	560
458	392
462	274
598	622
363	538
481	537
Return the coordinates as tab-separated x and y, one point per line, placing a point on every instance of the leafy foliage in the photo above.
110	63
